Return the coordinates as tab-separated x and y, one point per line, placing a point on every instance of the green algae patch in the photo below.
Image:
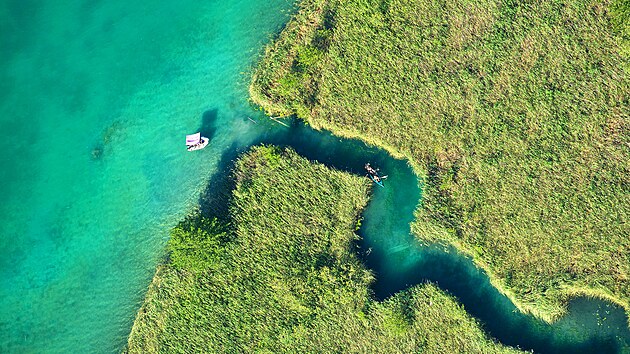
284	276
515	115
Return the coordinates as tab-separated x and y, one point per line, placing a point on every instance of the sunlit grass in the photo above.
283	277
515	113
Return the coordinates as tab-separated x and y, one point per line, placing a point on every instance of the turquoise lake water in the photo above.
95	100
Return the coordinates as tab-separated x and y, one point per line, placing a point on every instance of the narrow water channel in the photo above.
400	261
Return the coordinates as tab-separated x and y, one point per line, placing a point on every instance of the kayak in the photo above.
373	174
379	182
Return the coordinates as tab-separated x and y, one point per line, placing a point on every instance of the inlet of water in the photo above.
400	261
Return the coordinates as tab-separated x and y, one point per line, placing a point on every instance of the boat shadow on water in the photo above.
208	126
399	261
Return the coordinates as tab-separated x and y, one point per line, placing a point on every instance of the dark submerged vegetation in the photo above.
283	276
515	113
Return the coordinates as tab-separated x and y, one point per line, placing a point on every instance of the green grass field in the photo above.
282	276
516	115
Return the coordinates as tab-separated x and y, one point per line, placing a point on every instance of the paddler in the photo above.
370	170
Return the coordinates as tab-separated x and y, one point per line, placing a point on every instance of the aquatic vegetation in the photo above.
97	152
284	276
515	114
196	243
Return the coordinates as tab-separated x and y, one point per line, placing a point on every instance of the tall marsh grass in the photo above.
515	113
284	277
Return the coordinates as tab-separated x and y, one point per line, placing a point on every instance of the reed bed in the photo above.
515	114
282	276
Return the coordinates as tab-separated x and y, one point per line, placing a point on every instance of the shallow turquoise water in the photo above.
95	100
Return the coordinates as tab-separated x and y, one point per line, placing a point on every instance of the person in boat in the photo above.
370	169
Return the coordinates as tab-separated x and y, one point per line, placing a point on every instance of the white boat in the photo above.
196	142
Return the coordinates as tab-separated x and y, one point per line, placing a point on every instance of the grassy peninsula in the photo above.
515	113
282	276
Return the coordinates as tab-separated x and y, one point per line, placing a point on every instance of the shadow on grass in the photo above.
216	197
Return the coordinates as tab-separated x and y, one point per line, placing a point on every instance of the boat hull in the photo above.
380	183
204	142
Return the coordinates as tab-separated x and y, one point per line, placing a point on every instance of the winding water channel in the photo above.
400	261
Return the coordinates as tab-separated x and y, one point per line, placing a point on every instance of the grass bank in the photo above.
516	114
283	276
